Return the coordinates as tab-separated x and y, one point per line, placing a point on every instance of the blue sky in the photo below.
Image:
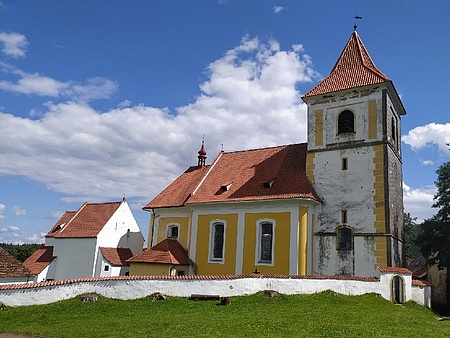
104	98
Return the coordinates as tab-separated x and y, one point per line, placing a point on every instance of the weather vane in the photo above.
356	17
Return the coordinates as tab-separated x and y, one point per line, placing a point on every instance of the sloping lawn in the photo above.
320	315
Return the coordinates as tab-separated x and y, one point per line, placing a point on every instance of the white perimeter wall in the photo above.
140	286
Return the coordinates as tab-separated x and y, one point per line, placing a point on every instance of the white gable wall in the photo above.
121	231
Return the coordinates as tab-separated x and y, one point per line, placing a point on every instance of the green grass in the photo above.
318	315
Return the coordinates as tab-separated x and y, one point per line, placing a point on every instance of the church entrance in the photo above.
397	291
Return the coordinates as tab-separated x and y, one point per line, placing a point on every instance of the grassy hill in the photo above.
320	315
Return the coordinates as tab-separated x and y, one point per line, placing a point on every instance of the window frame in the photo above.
258	258
343	124
339	245
169	229
212	235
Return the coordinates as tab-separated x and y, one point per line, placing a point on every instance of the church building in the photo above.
331	206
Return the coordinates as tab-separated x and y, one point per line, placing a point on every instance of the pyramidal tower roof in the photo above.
354	68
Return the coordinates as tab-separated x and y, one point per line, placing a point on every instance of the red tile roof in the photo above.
418	282
179	191
394	270
116	256
354	68
168	251
40	259
11	267
246	173
185	277
87	221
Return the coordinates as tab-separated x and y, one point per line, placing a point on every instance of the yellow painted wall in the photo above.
146	269
310	166
281	244
378	186
303	240
373	119
203	267
182	231
381	251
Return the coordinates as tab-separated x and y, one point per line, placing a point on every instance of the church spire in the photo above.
202	155
354	68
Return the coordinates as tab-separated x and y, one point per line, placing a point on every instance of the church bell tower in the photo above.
354	163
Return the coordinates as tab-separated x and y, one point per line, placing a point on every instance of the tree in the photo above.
434	234
411	231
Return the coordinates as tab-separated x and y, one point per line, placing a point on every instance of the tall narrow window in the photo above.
217	240
346	122
344	163
344	238
266	242
344	216
394	130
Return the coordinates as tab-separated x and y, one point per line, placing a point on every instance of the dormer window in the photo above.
226	187
346	122
268	184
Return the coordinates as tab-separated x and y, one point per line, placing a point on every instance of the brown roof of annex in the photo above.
87	221
249	175
40	259
168	251
11	267
354	68
116	256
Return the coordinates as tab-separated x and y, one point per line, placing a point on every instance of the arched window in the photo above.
217	241
265	242
346	122
344	238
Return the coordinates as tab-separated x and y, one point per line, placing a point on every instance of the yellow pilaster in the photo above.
303	240
310	166
373	119
378	187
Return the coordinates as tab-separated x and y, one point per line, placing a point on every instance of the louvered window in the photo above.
346	122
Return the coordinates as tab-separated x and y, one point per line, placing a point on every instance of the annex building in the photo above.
331	206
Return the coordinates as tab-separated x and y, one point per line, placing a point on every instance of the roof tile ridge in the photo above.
371	67
264	148
344	51
73	217
98	203
216	160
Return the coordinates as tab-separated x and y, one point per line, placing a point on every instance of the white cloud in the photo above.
19	212
37	84
10	229
93	89
278	9
124	104
426	162
249	100
56	215
14	44
35	238
431	134
418	201
2	209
